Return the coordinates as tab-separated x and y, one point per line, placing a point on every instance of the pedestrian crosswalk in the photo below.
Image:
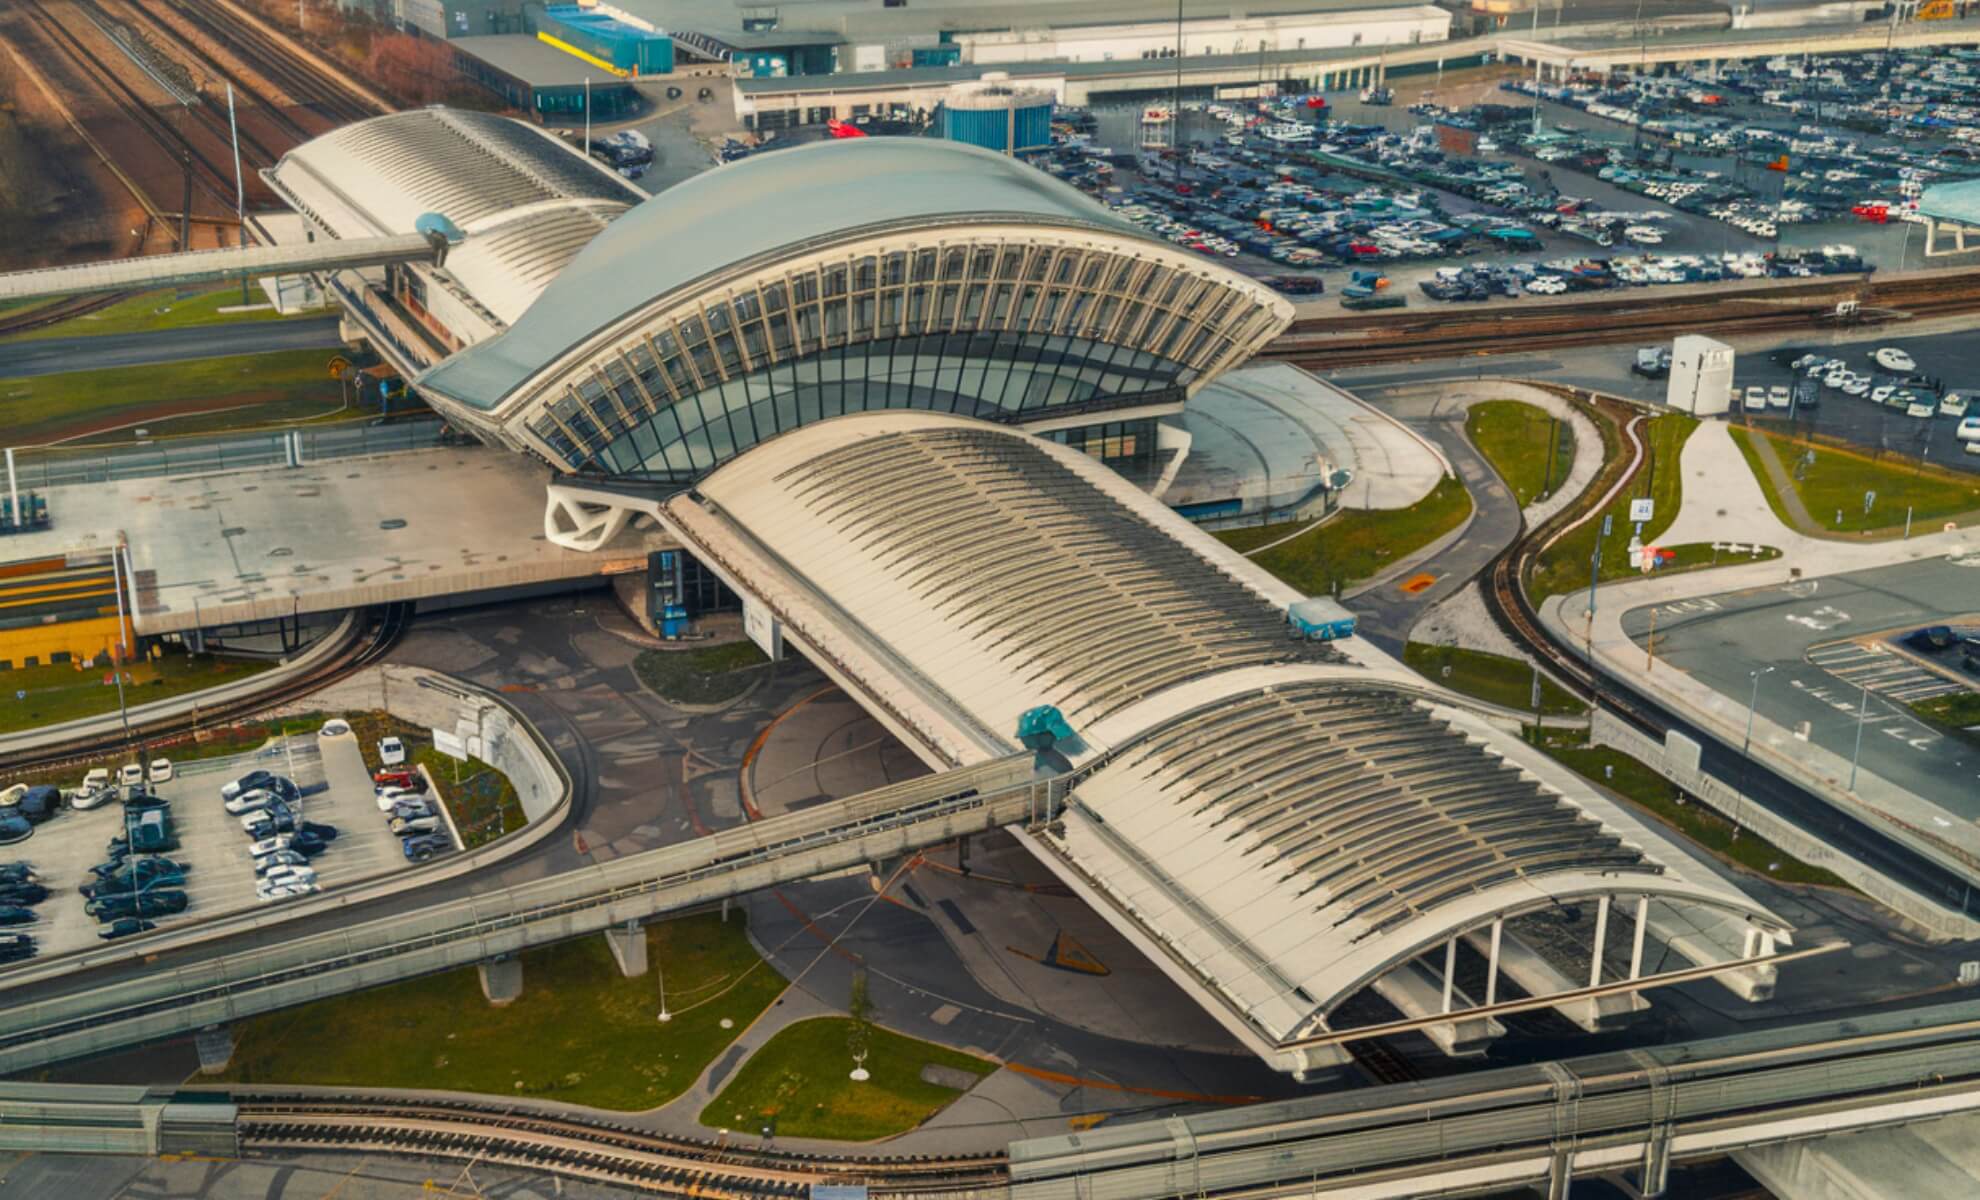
1879	668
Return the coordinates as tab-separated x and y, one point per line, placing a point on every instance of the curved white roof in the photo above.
1282	823
484	173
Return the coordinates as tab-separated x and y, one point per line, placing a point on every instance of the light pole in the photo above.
1862	709
1746	746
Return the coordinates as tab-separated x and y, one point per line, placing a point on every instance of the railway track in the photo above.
254	151
304	83
386	625
212	178
1637	316
619	1155
58	310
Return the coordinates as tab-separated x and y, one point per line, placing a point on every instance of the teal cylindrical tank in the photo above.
998	117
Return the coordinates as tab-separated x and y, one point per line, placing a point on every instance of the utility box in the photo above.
1319	619
1701	376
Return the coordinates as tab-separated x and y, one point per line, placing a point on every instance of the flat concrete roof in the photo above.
276	541
536	63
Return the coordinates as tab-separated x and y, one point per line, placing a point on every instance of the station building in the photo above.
656	340
870	389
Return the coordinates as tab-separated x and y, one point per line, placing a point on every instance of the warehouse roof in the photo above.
752	210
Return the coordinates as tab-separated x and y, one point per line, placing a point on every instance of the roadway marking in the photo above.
1821	620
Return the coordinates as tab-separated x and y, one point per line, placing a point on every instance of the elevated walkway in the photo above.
217	266
74	1012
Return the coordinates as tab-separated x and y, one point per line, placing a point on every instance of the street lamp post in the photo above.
1862	710
1746	746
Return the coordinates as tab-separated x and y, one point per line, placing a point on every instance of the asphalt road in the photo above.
1387	613
1721	639
53	356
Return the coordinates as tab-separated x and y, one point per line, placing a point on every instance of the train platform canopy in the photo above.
274	543
1277	824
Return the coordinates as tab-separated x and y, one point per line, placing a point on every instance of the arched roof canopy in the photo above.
864	250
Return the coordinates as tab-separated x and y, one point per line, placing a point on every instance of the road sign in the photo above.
449	743
1608	523
1869	498
1642	509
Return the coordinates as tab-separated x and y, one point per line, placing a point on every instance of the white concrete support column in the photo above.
1708	937
628	948
215	1045
1601	937
1415	993
578	524
1636	938
1450	971
1492	963
501	981
1531	970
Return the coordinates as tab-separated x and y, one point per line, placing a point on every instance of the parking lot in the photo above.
1860	420
220	880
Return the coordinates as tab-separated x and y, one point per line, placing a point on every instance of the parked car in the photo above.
261	781
1890	358
266	892
424	846
406	826
26	894
267	824
97	779
406	809
14	914
317	832
15	946
391	751
144	873
334	727
39	803
280	858
18	872
131	775
144	903
124	927
389	796
411	781
249	802
83	801
14	827
144	798
161	770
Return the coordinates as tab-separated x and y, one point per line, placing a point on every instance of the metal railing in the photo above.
194	456
165	1001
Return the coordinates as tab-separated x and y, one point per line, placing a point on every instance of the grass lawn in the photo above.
708	675
1651	791
799	1080
1493	678
169	308
1743	438
580	1031
1514	438
1354	544
1565	566
255	389
1957	714
481	800
64	693
1838	479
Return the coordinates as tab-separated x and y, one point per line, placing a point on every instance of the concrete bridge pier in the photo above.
1415	992
629	948
215	1044
501	981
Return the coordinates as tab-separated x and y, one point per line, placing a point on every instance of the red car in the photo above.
412	780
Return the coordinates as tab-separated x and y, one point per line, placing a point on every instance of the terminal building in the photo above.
653	340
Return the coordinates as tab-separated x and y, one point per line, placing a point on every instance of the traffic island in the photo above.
703	678
800	1084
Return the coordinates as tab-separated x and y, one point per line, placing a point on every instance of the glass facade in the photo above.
1114	442
1001	332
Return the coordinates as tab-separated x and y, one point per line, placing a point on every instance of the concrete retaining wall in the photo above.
1607	730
